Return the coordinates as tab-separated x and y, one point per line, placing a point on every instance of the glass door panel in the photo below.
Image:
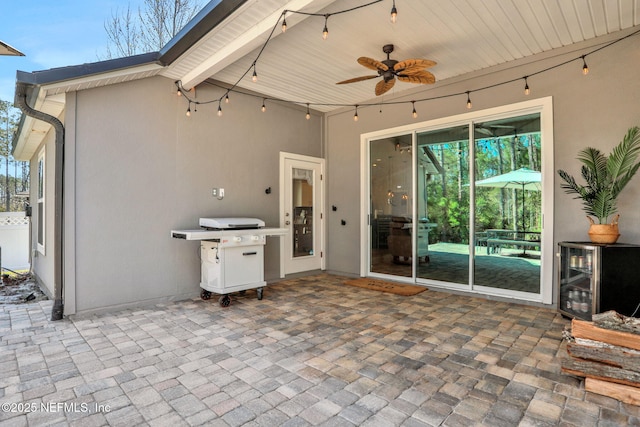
302	200
443	205
508	200
391	208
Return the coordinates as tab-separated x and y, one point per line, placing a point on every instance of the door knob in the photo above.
287	222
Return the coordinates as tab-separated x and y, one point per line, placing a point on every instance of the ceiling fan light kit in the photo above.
409	71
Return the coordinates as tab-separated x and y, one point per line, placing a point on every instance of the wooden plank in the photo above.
623	393
582	329
585	368
620	357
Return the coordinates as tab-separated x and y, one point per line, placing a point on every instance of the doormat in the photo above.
383	286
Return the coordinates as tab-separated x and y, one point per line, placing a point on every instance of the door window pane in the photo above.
302	199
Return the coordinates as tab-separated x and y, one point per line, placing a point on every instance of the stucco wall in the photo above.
143	168
43	263
595	110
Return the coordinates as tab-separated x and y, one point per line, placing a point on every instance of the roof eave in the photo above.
214	13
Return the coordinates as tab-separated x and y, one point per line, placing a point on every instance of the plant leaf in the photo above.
602	205
622	164
594	169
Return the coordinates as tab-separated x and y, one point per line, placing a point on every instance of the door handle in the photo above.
287	222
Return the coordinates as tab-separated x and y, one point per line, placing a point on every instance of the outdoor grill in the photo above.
231	255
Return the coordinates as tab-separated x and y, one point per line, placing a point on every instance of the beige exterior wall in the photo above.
595	110
142	168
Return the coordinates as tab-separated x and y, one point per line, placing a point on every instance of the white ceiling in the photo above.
462	36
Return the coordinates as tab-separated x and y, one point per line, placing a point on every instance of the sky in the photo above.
53	34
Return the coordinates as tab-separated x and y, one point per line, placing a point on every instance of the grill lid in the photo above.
231	223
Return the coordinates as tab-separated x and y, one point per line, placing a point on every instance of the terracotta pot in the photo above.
604	233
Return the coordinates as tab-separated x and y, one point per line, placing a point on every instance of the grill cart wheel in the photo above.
259	290
225	301
205	294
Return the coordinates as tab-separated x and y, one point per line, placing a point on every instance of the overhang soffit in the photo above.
244	31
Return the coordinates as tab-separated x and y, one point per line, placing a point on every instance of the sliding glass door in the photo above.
508	204
461	206
443	204
391	196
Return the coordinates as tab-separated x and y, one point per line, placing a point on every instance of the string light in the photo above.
254	77
325	31
414	113
264	107
284	21
394	13
355	116
219	109
226	98
585	68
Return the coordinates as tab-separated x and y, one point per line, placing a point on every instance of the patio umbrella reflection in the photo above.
519	179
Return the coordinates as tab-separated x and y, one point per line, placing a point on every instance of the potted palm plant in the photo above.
605	177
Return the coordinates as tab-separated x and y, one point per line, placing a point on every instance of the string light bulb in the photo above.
355	116
219	109
264	107
189	110
325	31
527	91
468	100
414	113
394	13
585	68
308	116
226	98
284	22
179	92
254	77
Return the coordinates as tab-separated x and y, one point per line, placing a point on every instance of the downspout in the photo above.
20	101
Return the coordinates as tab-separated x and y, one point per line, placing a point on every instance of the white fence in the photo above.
14	240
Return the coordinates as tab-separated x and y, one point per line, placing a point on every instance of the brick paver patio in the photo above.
312	352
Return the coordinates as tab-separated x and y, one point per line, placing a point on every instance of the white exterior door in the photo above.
301	202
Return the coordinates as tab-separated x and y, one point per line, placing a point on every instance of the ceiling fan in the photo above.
409	70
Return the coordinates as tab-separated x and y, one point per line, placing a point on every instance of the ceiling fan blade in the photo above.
410	71
413	63
383	86
424	77
372	64
357	79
